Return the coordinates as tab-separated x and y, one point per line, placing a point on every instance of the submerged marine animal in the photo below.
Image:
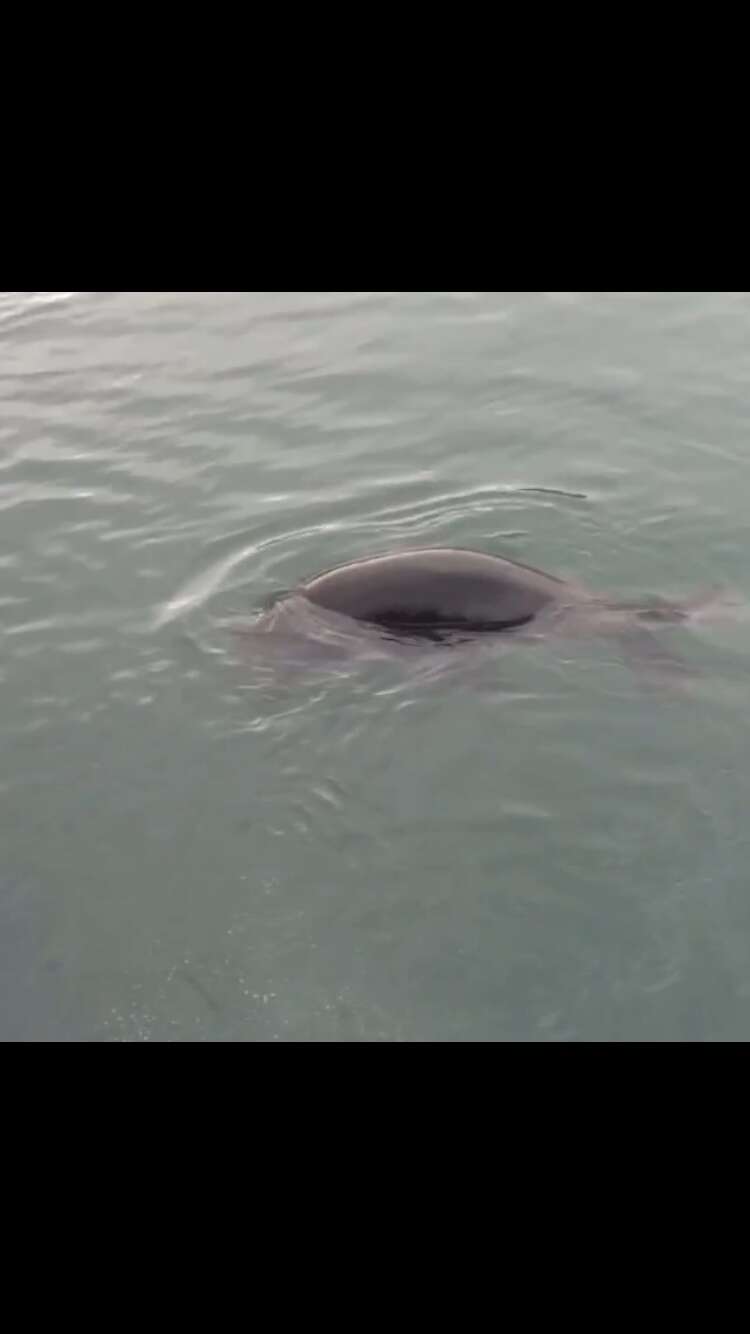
448	596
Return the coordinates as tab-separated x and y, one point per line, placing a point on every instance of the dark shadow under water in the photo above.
295	633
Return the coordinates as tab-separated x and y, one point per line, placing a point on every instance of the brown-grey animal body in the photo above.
447	595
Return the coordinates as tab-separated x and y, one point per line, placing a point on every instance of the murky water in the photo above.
515	841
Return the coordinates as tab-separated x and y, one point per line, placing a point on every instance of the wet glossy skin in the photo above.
442	588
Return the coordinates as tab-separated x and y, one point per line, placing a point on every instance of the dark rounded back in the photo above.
438	587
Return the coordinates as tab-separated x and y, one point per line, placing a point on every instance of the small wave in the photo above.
282	559
13	304
198	590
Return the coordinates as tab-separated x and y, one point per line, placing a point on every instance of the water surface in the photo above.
524	844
